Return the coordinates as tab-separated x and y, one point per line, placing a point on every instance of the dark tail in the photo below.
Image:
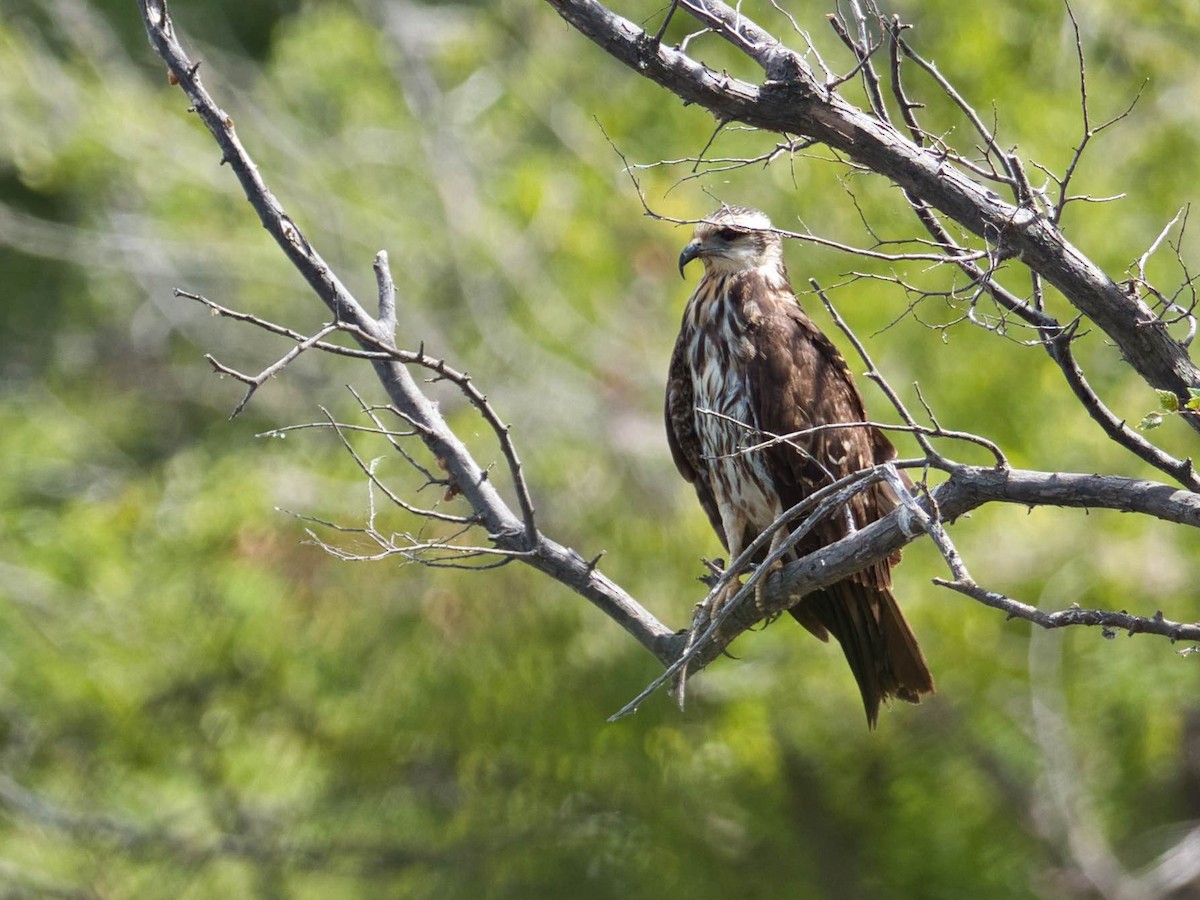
882	650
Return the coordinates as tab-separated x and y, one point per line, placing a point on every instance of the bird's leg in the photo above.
704	613
760	586
708	609
725	595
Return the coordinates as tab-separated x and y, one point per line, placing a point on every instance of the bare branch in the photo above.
505	530
708	636
1182	470
987	135
864	52
1056	339
1088	131
968	488
738	30
1154	245
296	336
772	440
375	483
662	29
810	238
369	412
254	382
906	106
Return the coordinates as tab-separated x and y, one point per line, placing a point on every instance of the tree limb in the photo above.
504	528
968	488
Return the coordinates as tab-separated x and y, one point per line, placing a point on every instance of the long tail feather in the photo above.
881	649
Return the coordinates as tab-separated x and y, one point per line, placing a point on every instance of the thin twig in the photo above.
874	375
505	529
254	382
250	319
1088	131
376	483
1094	618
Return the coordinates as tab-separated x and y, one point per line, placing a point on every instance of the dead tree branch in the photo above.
504	528
968	488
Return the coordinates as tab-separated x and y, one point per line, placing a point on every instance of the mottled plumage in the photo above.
748	365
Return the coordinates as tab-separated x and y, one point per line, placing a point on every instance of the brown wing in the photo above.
681	432
799	380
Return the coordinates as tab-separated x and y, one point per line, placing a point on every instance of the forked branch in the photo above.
505	530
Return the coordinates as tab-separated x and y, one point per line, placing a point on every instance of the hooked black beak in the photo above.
690	252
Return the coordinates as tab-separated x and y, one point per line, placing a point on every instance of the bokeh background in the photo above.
195	701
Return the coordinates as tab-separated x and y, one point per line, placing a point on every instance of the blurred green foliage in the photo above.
195	702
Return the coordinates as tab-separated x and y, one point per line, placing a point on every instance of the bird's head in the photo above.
732	239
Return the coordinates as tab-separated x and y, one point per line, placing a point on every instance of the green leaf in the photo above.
1150	420
1168	401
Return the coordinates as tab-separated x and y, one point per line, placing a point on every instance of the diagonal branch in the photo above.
505	529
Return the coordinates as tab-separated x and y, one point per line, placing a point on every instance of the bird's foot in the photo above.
718	602
705	613
713	607
760	593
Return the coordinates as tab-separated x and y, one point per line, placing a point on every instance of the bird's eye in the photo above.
729	234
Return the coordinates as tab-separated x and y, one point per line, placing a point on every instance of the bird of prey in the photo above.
750	365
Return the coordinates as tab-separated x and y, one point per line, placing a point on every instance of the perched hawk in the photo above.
749	365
